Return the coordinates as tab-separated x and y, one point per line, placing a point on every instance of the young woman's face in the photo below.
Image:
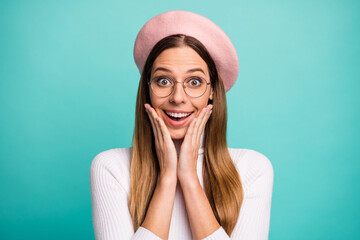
179	64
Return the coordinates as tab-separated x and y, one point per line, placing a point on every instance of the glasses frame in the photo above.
173	88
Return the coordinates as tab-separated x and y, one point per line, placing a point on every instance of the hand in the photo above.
165	148
191	144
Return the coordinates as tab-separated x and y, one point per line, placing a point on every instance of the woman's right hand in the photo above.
165	148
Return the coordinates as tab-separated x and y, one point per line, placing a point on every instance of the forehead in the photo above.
180	59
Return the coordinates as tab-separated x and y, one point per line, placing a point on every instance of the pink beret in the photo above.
183	22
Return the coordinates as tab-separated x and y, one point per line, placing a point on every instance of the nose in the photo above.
178	95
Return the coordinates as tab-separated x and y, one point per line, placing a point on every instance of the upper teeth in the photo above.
178	115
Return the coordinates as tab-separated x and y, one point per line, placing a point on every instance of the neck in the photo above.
177	143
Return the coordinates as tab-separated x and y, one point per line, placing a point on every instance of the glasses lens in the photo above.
195	87
162	87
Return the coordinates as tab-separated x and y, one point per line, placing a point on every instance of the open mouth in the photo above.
177	116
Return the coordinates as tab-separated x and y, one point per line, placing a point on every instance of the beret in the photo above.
208	33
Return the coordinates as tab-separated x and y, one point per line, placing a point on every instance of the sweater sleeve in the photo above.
256	173
219	234
111	216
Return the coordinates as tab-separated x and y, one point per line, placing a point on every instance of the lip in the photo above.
174	123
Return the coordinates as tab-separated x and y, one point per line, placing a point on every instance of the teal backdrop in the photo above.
68	84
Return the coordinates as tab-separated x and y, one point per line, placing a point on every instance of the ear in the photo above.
211	97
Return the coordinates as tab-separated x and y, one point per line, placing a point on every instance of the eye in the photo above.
163	82
194	82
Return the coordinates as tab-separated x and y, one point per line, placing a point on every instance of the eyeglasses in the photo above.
163	86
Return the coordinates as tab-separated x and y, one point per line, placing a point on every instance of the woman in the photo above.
180	180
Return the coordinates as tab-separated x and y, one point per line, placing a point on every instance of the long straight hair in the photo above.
222	182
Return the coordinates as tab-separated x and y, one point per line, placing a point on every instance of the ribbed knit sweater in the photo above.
110	187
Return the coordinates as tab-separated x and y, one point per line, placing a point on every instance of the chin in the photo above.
177	134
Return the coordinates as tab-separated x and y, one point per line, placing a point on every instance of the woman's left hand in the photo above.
191	144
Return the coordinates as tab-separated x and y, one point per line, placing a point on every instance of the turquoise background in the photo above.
68	83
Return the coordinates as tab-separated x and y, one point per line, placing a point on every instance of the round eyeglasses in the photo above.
163	86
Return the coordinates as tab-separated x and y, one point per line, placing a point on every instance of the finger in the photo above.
190	130
157	135
198	124
203	123
164	130
205	118
150	117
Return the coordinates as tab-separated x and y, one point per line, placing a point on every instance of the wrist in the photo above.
188	178
167	178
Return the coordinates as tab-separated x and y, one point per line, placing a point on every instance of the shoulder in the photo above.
113	162
246	158
252	165
111	157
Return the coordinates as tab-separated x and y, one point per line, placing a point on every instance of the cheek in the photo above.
199	104
155	102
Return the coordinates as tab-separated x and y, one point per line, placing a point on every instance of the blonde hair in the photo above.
222	182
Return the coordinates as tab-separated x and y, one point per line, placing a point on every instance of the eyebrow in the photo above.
188	71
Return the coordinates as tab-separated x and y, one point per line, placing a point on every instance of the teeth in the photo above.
178	115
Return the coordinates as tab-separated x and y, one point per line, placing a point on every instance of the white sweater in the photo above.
110	186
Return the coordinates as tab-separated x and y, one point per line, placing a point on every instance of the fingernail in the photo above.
210	106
